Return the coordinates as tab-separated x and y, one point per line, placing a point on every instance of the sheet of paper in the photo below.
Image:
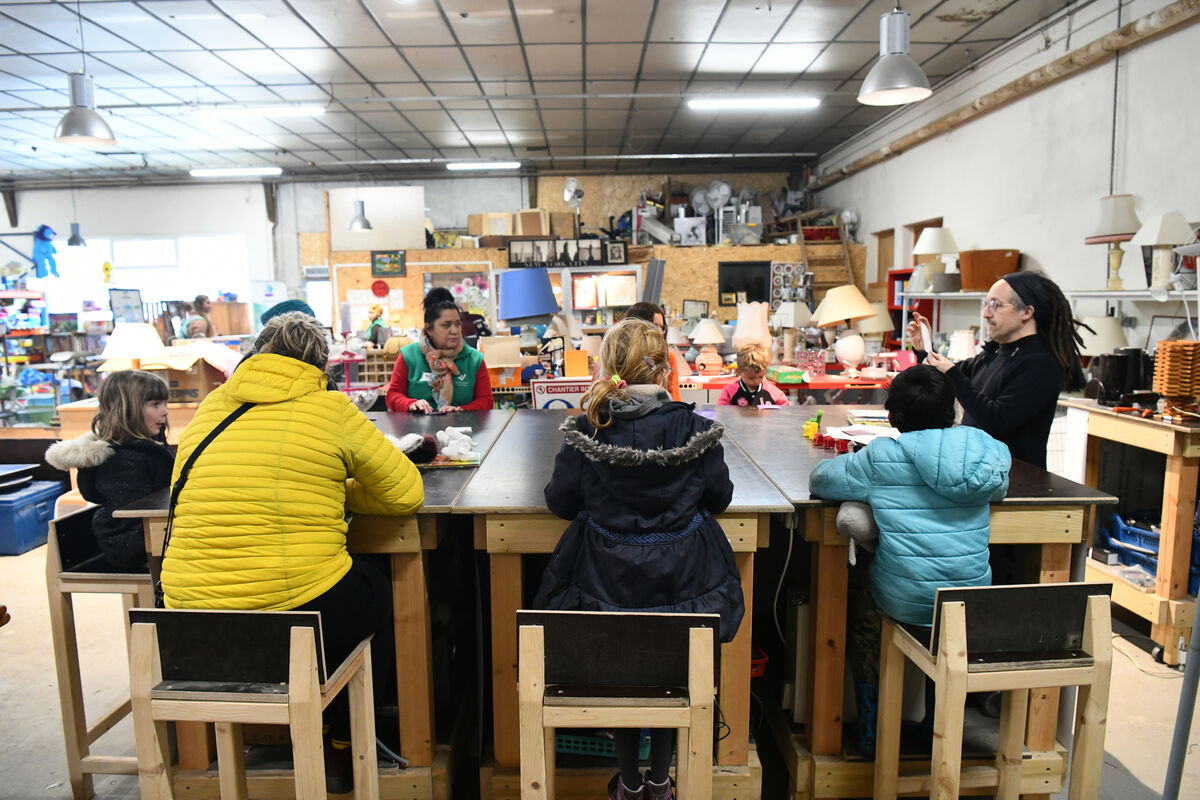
360	297
926	337
396	299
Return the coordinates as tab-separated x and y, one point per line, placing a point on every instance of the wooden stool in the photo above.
1000	638
236	667
72	558
598	669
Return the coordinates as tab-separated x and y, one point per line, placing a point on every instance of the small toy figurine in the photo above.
43	252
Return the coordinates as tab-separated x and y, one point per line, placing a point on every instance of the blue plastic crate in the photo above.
25	516
1124	531
1136	558
599	746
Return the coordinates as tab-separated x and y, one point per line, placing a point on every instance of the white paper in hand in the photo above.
926	338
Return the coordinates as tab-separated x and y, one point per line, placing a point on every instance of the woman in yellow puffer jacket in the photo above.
261	522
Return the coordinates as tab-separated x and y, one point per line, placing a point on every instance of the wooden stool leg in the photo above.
683	746
231	761
951	699
537	742
1091	705
551	755
70	688
362	731
304	716
887	720
700	692
1011	749
150	735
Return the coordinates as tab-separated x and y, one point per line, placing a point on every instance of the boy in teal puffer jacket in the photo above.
930	491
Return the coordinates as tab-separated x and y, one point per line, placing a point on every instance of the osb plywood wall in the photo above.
314	249
605	195
352	270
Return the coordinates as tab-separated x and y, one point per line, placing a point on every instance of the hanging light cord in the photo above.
82	48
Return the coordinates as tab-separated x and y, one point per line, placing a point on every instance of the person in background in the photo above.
195	327
202	307
377	331
930	492
122	459
751	388
283	307
1011	389
640	477
261	520
440	372
653	314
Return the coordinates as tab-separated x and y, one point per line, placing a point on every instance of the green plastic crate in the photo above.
599	746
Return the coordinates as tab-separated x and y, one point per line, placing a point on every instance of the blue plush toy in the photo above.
43	252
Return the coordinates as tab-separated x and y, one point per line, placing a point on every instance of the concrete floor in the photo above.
1141	711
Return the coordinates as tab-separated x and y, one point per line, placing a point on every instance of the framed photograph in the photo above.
695	308
387	264
742	297
728	298
590	252
64	323
126	305
616	252
520	254
543	252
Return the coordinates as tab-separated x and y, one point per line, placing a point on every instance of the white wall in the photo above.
1029	175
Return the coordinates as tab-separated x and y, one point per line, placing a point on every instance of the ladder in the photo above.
829	262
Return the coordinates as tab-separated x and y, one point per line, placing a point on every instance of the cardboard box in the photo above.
532	222
190	385
474	224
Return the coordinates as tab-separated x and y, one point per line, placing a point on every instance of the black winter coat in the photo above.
641	494
113	476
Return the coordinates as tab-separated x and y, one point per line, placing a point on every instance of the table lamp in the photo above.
934	242
707	333
674	339
752	325
846	305
1118	223
788	318
875	327
134	342
1108	336
1162	232
525	294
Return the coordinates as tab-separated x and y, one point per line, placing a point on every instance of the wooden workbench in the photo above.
1042	510
506	497
1168	608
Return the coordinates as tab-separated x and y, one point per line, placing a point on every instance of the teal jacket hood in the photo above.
957	463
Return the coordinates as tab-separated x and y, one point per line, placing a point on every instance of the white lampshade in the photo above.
674	336
706	332
1117	220
1108	337
792	314
881	322
962	345
1163	229
935	241
752	325
133	342
842	304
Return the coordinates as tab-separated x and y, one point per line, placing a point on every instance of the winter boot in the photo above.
868	710
618	791
659	791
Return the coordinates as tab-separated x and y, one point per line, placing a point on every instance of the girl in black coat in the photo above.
124	458
640	477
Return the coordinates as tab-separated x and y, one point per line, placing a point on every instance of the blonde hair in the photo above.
121	397
295	335
753	356
633	351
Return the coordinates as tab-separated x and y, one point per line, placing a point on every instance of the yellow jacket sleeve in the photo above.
382	480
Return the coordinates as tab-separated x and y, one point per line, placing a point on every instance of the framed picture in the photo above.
692	231
64	323
520	254
543	252
728	298
590	252
616	252
126	305
388	264
695	308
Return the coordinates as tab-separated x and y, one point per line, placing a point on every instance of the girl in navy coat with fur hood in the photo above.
640	477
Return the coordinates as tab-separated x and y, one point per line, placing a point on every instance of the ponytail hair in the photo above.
121	397
633	352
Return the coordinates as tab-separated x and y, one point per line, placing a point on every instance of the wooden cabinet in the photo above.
231	319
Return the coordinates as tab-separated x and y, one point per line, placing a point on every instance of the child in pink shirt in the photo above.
750	389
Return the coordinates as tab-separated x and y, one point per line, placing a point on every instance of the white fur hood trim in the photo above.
78	453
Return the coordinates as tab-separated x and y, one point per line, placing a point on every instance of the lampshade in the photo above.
1108	337
526	293
879	322
706	332
359	222
563	324
76	239
792	314
752	325
1163	229
674	336
133	341
896	79
1118	223
81	124
843	303
935	241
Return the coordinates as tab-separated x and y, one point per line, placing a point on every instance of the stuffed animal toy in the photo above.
420	449
43	252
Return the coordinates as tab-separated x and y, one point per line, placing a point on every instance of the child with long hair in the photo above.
640	477
122	459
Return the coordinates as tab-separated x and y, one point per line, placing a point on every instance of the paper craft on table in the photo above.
926	337
862	434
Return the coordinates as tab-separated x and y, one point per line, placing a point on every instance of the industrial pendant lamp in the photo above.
895	79
81	124
359	221
76	239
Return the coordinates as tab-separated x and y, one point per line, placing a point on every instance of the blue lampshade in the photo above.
526	293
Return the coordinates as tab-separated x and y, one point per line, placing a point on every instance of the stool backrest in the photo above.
77	545
1032	621
617	649
233	646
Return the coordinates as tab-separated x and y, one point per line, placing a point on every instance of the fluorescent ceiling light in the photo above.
752	103
219	112
236	172
482	165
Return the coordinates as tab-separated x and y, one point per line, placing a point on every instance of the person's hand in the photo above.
940	363
421	407
914	333
448	409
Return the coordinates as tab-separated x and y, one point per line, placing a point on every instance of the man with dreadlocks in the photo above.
1011	388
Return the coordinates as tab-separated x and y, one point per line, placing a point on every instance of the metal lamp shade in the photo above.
526	293
360	221
896	79
81	124
76	239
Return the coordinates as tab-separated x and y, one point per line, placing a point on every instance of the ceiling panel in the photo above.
200	21
549	20
685	20
29	40
843	59
106	75
499	62
563	119
264	65
671	60
152	70
729	59
438	63
610	87
320	64
752	20
555	61
61	23
618	20
613	60
787	59
206	67
340	23
480	21
475	120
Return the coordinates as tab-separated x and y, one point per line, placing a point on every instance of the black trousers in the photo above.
358	605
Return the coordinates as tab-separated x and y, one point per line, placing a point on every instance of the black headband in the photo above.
1032	291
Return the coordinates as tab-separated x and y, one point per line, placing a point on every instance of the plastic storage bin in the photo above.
25	516
1134	530
599	746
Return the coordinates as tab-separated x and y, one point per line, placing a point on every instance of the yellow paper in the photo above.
575	363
